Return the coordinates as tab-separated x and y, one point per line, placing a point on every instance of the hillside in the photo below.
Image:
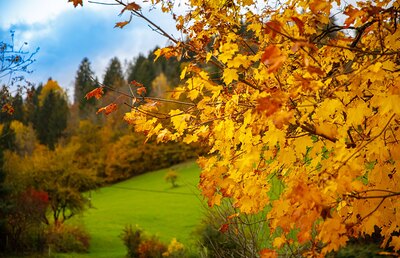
147	201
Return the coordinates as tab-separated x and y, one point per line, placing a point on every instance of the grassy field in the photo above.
147	201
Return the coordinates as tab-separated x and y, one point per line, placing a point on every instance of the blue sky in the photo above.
66	35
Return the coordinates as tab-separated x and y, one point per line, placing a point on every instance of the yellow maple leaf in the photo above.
230	75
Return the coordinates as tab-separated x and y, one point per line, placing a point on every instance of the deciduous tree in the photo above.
319	114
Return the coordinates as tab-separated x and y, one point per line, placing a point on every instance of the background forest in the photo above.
53	150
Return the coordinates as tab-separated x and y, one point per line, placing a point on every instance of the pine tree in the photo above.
52	115
83	84
113	76
142	70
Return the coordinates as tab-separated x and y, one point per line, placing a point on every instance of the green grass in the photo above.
147	201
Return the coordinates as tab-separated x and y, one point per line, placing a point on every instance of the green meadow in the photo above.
147	201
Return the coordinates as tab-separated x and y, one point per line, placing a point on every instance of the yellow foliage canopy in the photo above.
297	98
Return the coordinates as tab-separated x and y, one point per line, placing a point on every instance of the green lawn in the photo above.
147	201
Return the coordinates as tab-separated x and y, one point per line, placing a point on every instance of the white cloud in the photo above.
31	12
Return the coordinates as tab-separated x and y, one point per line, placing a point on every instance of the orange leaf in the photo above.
273	57
268	253
121	24
141	91
97	93
273	27
269	105
233	216
131	7
137	84
352	13
76	2
107	109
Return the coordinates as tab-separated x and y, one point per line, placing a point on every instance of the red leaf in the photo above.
97	93
224	228
107	109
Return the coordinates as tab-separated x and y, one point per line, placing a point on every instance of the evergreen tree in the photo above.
113	76
142	70
52	114
18	104
83	84
145	70
31	105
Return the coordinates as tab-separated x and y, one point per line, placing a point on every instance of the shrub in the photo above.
172	177
65	239
175	249
226	233
132	237
141	245
151	248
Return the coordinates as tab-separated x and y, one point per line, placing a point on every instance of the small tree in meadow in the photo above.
172	177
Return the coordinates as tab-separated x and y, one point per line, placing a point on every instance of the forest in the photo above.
290	110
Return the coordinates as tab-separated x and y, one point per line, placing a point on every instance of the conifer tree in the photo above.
114	76
83	84
52	114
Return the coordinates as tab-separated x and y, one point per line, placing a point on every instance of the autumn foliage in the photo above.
309	102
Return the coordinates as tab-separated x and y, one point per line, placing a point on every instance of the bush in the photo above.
172	177
140	245
226	233
65	239
132	237
175	249
151	248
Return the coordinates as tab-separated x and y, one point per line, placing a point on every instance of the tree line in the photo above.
54	152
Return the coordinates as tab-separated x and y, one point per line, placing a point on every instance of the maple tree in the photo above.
292	104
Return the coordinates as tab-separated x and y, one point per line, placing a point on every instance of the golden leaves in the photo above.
320	6
230	75
288	99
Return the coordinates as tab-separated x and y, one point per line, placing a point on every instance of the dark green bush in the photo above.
65	239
